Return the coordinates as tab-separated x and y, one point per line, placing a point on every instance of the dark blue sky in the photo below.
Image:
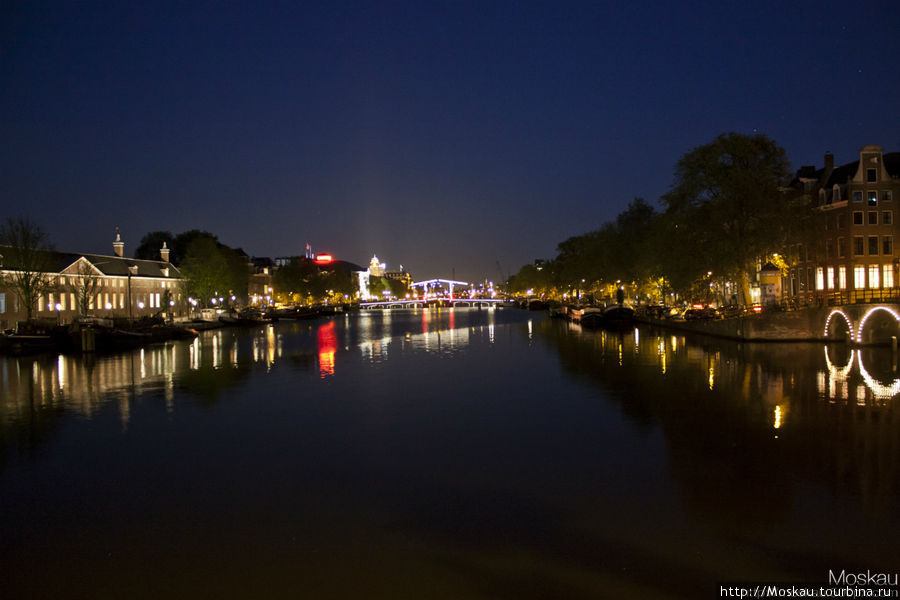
438	135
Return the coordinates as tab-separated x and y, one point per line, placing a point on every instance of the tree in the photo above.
151	243
26	261
212	270
728	205
84	285
181	243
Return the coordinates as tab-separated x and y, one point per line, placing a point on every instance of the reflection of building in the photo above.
113	286
849	253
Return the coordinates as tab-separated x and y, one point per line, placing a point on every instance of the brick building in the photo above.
112	286
847	252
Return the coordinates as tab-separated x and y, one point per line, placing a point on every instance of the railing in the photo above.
842	297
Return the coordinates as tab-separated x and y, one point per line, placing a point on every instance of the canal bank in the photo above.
860	324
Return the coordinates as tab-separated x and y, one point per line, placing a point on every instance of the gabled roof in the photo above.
57	262
842	174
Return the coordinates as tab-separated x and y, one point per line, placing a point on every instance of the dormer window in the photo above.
836	194
133	269
165	271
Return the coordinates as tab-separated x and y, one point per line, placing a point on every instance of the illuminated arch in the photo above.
847	320
862	323
879	390
839	373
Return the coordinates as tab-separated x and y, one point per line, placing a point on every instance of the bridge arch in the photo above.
831	328
873	311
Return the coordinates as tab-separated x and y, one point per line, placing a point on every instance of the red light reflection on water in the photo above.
327	341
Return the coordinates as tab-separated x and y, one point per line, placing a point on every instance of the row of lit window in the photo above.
110	281
879	276
63	301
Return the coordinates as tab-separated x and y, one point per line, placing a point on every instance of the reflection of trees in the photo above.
746	423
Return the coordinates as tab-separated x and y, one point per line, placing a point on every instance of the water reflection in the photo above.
217	359
763	417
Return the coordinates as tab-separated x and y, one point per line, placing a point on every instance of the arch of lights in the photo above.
858	337
878	389
862	323
847	320
839	373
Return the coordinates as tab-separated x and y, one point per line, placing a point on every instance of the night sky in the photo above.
444	136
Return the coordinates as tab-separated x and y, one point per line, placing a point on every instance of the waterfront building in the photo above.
376	268
259	282
847	251
111	286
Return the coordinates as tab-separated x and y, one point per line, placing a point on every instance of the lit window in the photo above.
887	275
873	198
842	277
859	277
873	275
829	279
820	279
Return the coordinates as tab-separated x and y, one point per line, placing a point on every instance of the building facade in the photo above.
847	251
98	285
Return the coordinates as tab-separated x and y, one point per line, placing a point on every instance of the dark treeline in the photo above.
729	209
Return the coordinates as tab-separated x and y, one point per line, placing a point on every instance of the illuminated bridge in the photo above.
431	284
419	303
863	324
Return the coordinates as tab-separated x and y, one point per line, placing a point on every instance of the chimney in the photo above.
164	253
829	160
119	246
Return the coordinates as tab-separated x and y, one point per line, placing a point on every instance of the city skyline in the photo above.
448	137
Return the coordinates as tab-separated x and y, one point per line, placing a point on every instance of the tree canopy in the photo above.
726	211
212	270
728	206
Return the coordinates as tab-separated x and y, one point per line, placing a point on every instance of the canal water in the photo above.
464	453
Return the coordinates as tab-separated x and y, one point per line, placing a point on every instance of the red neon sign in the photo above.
323	259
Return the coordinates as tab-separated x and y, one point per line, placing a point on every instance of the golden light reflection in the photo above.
270	343
778	417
